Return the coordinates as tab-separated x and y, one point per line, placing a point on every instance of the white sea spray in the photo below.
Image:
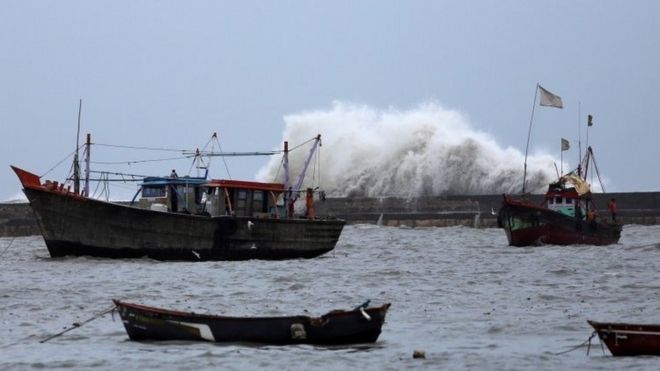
428	150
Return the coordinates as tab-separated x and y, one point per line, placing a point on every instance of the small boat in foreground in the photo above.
628	339
360	325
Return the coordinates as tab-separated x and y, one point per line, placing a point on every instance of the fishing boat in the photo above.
628	339
338	327
183	218
566	216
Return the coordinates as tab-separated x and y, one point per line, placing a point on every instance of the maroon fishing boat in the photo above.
567	215
338	327
629	339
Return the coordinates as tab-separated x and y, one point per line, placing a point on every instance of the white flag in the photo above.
549	99
565	145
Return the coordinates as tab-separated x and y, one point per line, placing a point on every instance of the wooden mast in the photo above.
76	163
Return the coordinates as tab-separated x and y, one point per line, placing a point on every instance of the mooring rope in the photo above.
588	341
7	248
75	325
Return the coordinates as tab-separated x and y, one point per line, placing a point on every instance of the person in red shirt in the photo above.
611	206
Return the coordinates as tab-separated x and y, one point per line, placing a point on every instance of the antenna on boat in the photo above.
76	163
589	124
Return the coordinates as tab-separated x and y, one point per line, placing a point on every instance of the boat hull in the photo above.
529	225
74	225
334	328
626	339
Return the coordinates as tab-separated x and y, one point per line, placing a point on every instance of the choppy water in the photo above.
460	294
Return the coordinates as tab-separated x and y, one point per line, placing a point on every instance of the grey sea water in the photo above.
462	295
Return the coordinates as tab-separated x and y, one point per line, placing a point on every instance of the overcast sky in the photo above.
169	74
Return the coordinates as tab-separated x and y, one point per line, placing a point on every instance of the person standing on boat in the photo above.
173	174
611	206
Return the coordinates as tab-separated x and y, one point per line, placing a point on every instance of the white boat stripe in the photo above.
204	330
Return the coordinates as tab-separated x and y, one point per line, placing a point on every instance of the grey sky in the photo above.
169	74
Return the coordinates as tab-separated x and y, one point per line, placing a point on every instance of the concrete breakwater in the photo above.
474	211
17	219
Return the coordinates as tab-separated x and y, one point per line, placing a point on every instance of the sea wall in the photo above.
16	219
474	211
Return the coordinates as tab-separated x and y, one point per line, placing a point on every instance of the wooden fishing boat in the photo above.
360	325
628	339
566	217
181	218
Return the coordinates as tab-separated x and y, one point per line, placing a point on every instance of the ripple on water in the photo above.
460	294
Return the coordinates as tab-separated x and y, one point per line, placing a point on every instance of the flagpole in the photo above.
579	132
529	133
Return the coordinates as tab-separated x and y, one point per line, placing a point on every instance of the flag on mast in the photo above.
565	145
548	99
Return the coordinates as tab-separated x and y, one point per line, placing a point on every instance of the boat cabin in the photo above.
564	200
244	198
173	194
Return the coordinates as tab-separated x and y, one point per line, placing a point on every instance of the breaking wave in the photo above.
425	151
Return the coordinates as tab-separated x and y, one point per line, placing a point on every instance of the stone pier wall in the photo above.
474	211
17	220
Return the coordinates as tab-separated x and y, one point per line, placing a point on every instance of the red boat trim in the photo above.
27	178
223	183
32	181
214	316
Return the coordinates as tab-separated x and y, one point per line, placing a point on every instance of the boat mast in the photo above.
529	133
301	176
88	147
580	132
291	194
285	165
76	163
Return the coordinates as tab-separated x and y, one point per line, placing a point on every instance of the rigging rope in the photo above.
140	147
224	161
316	160
593	158
277	174
138	161
57	164
140	176
300	145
